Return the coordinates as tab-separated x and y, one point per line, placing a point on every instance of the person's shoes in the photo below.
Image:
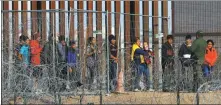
136	90
151	90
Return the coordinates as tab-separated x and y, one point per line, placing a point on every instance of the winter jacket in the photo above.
183	51
167	53
72	57
198	48
35	52
211	56
62	52
138	54
24	51
47	53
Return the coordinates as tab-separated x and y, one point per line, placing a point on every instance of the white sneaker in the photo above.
136	90
151	90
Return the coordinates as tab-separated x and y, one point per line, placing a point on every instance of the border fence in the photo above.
19	83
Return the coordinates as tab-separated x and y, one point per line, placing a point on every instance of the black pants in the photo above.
113	75
168	77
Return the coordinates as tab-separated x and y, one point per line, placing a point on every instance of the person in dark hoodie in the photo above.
73	73
113	62
186	58
167	60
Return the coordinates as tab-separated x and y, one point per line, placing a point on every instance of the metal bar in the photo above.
75	22
169	17
10	45
141	20
150	42
66	21
108	59
19	19
94	18
47	20
160	41
57	19
29	18
78	10
112	18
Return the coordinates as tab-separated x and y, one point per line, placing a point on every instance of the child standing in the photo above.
73	74
24	52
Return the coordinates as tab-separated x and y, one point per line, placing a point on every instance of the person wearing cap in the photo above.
72	58
198	48
113	62
186	58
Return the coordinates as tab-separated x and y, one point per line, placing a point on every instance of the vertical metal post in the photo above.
10	46
108	55
29	18
150	43
160	41
47	19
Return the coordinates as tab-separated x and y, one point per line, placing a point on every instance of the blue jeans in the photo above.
142	69
207	70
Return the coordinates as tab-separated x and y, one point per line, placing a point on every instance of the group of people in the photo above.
200	55
31	52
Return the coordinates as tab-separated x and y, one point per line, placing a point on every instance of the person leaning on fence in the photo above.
62	60
72	58
91	61
113	62
210	58
167	62
198	48
138	56
35	56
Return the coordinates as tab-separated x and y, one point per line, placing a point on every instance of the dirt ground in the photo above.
136	98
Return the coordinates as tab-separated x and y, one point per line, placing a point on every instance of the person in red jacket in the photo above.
35	50
210	58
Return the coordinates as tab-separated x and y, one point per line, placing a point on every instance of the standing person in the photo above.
18	47
73	73
138	56
167	60
148	63
91	61
47	59
24	52
186	58
198	48
113	62
35	57
62	59
210	58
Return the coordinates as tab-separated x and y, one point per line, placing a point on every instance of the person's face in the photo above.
27	41
138	42
73	46
170	41
63	42
113	41
93	41
145	44
209	45
188	41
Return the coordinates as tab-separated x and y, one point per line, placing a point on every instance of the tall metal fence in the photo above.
52	82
